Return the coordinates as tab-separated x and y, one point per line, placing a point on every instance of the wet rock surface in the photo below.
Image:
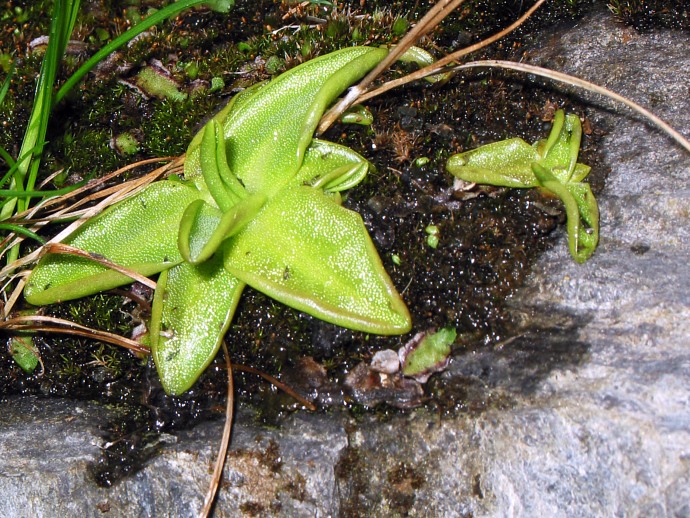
584	412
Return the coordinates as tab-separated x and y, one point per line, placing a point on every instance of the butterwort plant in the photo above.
259	205
550	165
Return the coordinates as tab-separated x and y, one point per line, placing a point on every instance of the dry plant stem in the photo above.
42	207
581	83
430	20
224	443
438	66
121	190
113	194
128	294
16	292
49	178
38	323
94	183
282	386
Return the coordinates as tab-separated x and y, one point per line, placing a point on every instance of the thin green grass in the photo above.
18	229
3	92
27	167
23	172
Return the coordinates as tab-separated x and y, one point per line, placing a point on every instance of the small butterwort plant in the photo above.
549	165
259	205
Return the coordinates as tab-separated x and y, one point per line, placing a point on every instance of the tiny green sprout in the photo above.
192	70
274	65
357	114
6	62
305	49
217	84
550	165
432	235
23	352
125	143
154	81
400	26
396	259
427	353
259	205
220	6
423	58
421	161
101	34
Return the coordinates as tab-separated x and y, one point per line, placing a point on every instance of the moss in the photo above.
646	15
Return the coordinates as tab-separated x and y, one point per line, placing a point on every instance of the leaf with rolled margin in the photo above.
203	227
310	253
560	151
582	212
267	133
331	167
139	233
192	308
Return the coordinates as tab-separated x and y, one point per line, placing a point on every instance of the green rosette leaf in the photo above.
310	253
139	233
192	309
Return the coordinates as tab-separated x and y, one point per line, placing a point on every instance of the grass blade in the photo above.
123	39
18	229
6	84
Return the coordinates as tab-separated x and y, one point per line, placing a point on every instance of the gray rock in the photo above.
596	423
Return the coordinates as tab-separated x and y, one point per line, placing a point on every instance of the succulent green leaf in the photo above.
266	136
192	309
204	227
139	233
306	251
506	164
192	163
331	167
